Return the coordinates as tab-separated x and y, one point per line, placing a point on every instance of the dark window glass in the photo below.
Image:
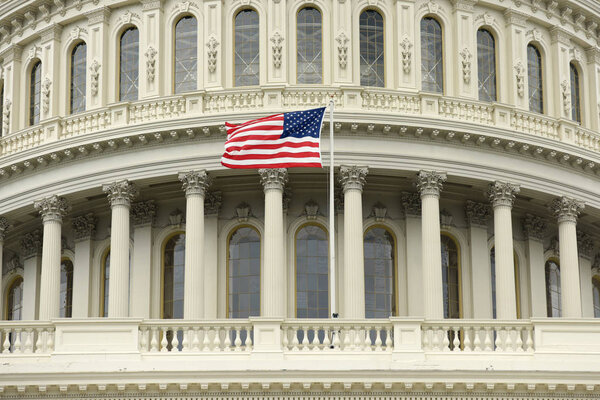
35	93
78	63
105	284
372	68
309	46
66	288
486	65
186	55
1	109
517	290
243	274
380	285
553	303
575	98
432	59
14	305
129	65
534	71
173	277
596	296
450	277
312	273
246	60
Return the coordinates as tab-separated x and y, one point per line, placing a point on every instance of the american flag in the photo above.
277	141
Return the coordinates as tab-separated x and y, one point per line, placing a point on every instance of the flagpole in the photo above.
332	283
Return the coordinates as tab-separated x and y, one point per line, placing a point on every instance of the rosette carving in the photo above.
31	244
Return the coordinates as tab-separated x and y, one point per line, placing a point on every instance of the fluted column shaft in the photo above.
3	228
352	179
52	209
194	184
429	184
502	196
273	294
567	210
120	195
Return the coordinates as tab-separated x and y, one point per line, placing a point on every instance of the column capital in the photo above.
411	203
534	227
84	226
120	193
52	208
212	203
566	208
502	193
430	183
195	182
353	177
477	213
585	245
4	225
143	212
273	178
31	244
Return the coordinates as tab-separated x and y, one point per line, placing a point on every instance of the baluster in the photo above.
358	342
477	338
348	344
456	340
316	342
519	341
378	338
305	342
39	343
205	339
6	342
499	339
529	340
164	342
17	344
143	342
425	342
196	339
50	341
249	338
487	341
367	341
445	331
285	341
467	339
388	339
175	340
217	339
185	342
238	339
337	342
295	342
326	339
227	343
28	341
154	340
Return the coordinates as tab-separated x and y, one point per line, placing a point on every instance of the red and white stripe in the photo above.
258	144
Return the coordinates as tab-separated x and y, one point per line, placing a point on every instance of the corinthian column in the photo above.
194	185
273	294
52	209
120	194
352	179
429	184
566	211
502	197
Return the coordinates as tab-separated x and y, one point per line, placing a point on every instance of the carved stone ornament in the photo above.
446	218
465	61
502	193
52	208
379	212
212	203
565	90
430	183
477	213
176	217
342	41
94	75
12	265
195	182
534	227
6	117
411	203
242	212
151	63
127	16
183	6
596	265
46	94
406	50
585	245
338	199
143	212
535	34
551	8
31	244
520	77
277	41
76	32
120	193
212	46
432	6
84	226
353	177
273	178
4	225
311	209
286	198
566	209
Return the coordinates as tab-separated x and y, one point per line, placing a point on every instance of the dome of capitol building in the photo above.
463	219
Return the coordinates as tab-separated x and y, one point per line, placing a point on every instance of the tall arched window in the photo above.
534	73
372	67
380	277
105	276
575	97
129	65
35	93
186	54
596	296
66	288
451	277
14	300
553	303
243	273
432	57
173	276
78	64
517	287
309	46
486	65
312	272
247	46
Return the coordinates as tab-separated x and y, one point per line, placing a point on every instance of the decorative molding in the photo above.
520	77
34	52
31	244
277	41
94	76
242	212
477	214
502	193
535	34
379	212
353	177
446	218
120	192
487	18
585	245
151	63
143	212
286	198
566	209
338	199
4	227
212	202
195	182
406	50
342	47
430	183
466	57
551	8
127	16
411	204
52	208
273	178
565	90
6	117
432	6
311	209
212	46
176	217
84	226
76	32
534	227
12	265
46	94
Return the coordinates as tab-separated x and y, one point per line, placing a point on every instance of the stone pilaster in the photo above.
411	205
481	276
212	207
3	229
535	229
84	228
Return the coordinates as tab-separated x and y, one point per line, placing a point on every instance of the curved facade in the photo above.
467	211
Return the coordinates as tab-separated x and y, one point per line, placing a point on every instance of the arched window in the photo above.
575	97
105	276
486	65
243	273
173	276
186	54
247	46
66	288
534	73
312	272
380	277
78	64
596	296
517	287
451	277
372	68
35	93
553	303
129	65
432	57
309	46
14	303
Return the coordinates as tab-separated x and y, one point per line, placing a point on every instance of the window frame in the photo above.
555	260
395	286
595	283
538	48
443	54
68	306
576	106
162	269
35	63
12	283
494	36
72	48
122	32
235	14
384	52
302	7
105	255
459	272
174	52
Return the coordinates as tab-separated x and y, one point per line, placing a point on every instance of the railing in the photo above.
27	337
534	124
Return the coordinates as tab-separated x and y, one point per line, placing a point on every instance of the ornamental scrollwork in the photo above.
212	46
466	57
311	209
143	212
406	50
566	209
273	178
520	76
4	226
342	41
195	182
502	193
477	213
150	63
84	226
411	203
277	41
585	245
430	183
120	192
52	208
242	212
379	212
353	177
94	76
212	202
534	227
31	244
